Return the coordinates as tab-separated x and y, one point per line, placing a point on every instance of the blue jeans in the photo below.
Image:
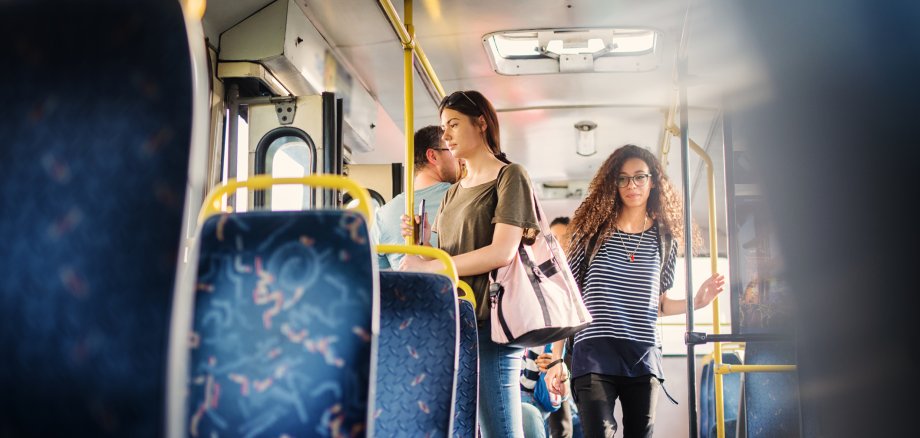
534	418
499	388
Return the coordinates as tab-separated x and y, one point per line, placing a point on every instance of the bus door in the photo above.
290	136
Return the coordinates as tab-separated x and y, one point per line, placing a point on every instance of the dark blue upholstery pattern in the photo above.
282	327
771	400
417	355
731	397
94	147
467	397
707	414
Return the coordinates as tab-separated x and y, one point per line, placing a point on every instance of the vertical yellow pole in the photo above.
714	261
409	125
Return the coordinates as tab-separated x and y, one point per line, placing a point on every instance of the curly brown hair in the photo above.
597	215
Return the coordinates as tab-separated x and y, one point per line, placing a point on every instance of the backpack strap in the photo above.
665	246
586	260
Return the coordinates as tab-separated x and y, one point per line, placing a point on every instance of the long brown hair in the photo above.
597	215
473	104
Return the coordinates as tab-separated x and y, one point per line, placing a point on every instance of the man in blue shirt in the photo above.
435	170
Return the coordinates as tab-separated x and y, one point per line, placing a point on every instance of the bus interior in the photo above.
189	189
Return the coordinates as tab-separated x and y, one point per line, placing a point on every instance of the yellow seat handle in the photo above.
450	270
212	204
467	293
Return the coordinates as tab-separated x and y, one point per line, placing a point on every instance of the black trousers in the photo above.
560	422
596	396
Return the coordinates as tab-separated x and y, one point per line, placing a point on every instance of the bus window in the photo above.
286	152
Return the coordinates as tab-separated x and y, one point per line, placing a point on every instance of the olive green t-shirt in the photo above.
467	218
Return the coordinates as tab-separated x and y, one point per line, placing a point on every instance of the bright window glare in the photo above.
289	161
242	164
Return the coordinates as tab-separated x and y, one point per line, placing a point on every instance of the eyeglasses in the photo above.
641	180
454	98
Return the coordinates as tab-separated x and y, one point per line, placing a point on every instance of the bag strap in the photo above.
547	270
493	275
665	246
533	276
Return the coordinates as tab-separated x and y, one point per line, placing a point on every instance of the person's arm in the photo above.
706	293
378	236
556	374
513	213
505	241
499	253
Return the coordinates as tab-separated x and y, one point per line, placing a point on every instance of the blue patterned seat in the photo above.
731	397
467	394
282	336
416	363
94	147
771	402
706	399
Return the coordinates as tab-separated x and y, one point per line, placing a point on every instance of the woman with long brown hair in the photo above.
483	219
624	243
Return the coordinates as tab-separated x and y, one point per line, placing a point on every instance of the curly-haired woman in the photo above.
622	252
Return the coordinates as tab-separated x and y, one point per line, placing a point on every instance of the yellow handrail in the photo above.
450	270
729	368
429	70
467	293
212	204
714	264
409	120
406	33
680	324
408	39
720	368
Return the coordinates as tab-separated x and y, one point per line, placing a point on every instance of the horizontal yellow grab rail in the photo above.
212	204
450	270
701	324
728	368
467	293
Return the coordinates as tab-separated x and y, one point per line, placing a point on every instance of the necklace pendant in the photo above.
632	257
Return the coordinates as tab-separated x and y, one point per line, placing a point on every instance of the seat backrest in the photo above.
731	388
771	401
467	394
416	362
731	396
95	130
706	399
282	335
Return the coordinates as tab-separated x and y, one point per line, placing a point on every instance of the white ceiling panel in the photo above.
537	112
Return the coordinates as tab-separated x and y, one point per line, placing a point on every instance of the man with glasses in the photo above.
435	170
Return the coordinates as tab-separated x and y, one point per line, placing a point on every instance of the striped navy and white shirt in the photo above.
622	297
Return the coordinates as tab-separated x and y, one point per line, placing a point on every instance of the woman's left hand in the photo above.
555	378
709	290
